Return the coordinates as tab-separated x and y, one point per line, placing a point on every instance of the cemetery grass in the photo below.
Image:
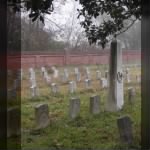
87	130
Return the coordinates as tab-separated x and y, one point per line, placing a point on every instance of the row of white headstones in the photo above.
72	84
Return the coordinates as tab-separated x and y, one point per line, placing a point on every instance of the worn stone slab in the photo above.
95	104
42	116
125	129
74	107
13	122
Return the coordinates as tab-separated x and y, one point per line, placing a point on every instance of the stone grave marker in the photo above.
115	99
47	78
72	86
55	88
128	78
104	82
106	74
77	75
34	89
66	75
98	75
43	70
131	95
88	74
125	129
95	104
55	72
74	107
87	83
42	116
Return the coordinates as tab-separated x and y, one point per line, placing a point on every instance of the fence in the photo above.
38	59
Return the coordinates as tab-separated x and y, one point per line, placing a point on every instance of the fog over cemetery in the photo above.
76	106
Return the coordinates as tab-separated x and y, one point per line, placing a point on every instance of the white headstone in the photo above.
66	75
104	83
72	86
43	70
34	89
46	76
77	74
55	72
128	78
98	75
55	88
88	75
87	83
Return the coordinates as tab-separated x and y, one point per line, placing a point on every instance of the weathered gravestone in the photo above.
74	107
34	89
43	70
42	116
55	72
103	83
55	88
72	86
46	77
77	74
115	99
87	83
66	75
128	78
95	104
88	74
127	75
125	129
131	95
106	74
13	122
98	75
78	77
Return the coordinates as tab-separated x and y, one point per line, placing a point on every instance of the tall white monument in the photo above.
115	100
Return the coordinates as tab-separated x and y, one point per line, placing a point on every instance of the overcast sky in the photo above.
63	12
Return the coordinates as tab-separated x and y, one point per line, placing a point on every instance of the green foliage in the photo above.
118	12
